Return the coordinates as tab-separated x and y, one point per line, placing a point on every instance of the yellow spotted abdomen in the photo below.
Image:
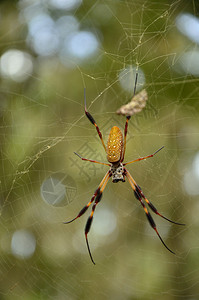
114	145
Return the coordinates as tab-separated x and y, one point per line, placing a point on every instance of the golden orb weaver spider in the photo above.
115	151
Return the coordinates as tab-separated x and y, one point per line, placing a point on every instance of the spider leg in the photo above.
96	195
90	218
125	134
93	161
127	119
91	119
139	196
141	158
87	229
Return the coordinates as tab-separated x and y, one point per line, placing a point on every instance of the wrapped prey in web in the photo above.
135	106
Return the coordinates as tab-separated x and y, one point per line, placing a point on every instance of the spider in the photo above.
115	151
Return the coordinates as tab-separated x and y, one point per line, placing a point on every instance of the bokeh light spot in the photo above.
65	4
40	22
105	222
127	78
188	25
79	46
46	42
196	165
65	25
43	36
82	44
23	244
16	65
191	178
189	62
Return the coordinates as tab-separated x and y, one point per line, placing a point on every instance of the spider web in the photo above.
43	183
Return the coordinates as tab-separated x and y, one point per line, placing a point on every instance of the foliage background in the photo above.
42	123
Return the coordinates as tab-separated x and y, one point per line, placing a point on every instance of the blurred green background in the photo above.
50	51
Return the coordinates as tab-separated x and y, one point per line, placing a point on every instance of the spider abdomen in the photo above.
114	147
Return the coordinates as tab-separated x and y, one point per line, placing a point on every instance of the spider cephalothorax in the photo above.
115	151
117	171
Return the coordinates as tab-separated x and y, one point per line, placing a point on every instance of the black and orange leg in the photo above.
90	218
128	118
153	225
88	226
139	196
139	193
93	161
145	157
125	134
95	195
91	119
